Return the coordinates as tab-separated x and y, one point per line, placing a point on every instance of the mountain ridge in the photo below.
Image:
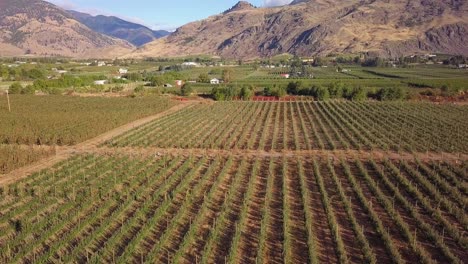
321	27
113	26
39	28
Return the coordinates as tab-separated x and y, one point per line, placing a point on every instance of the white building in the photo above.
214	81
101	63
191	64
123	71
100	82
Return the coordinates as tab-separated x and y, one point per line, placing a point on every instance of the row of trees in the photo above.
233	92
340	90
21	73
335	90
55	85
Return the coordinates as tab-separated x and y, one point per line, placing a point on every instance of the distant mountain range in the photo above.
389	28
39	28
113	26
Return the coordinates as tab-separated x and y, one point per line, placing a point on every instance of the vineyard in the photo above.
307	125
13	156
66	120
190	209
251	182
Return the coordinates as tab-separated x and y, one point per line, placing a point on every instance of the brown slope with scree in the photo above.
320	27
39	28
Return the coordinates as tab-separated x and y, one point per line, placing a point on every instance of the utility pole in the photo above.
8	99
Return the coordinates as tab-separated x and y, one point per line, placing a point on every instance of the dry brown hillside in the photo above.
319	27
40	28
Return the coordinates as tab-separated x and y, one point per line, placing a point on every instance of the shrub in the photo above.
186	89
15	88
391	94
139	89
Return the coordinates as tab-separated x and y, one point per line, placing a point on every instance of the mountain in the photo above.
119	28
389	28
40	28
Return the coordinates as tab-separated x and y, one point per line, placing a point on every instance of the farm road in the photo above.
63	153
92	146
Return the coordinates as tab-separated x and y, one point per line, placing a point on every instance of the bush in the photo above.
186	89
15	88
29	89
139	89
294	87
322	94
336	89
391	94
246	93
274	90
203	78
358	94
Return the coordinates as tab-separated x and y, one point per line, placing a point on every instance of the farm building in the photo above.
167	85
123	71
190	64
100	82
214	81
285	75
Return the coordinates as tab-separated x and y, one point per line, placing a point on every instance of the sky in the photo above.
158	14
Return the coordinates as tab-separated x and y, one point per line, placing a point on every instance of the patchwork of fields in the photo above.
256	182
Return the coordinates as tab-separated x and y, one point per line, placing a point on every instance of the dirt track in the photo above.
63	153
92	146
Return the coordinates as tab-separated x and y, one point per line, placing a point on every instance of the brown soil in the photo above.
92	146
63	153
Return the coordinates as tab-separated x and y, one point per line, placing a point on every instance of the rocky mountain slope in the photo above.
39	28
115	27
388	28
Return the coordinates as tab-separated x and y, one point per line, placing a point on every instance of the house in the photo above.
214	81
462	66
123	71
285	75
100	82
179	82
167	85
101	63
190	64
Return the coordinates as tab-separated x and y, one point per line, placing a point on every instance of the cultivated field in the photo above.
67	120
211	209
251	182
14	156
306	126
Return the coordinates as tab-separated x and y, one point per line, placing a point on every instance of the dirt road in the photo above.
93	146
63	153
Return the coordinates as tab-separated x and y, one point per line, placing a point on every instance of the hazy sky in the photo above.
158	14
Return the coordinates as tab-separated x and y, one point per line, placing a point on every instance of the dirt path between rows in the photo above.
63	153
331	154
92	146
